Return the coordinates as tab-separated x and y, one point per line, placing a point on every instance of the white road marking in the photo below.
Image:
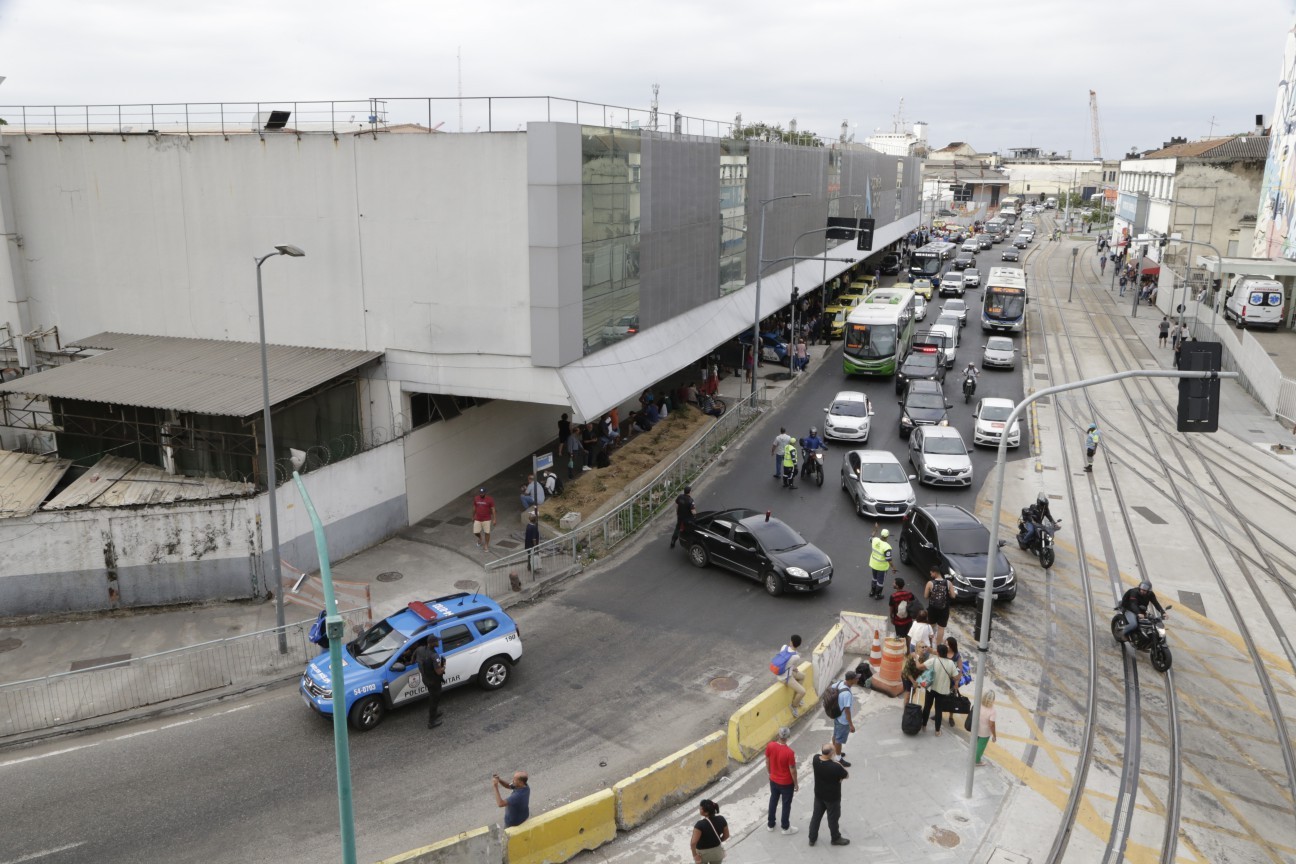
23	759
43	854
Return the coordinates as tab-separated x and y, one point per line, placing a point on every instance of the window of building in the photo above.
428	408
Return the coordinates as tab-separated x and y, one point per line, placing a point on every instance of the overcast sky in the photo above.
995	73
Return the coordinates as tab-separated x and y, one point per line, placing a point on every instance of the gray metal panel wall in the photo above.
679	249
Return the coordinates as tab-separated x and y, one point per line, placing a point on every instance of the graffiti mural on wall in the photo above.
1274	236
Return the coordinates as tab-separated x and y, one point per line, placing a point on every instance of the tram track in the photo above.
1206	533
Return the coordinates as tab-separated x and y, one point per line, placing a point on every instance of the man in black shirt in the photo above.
432	667
1135	604
684	512
828	777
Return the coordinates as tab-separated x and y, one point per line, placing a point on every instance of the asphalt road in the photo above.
615	676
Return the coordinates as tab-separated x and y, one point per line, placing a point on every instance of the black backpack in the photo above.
831	705
939	594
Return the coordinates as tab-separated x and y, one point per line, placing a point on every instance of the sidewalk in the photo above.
438	555
903	801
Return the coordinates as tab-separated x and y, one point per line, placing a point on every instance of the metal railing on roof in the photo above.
571	552
346	117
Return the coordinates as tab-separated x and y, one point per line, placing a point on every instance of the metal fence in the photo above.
587	543
239	662
348	117
1244	354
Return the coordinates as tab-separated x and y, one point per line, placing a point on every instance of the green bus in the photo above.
879	332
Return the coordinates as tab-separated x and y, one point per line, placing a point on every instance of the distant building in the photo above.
906	143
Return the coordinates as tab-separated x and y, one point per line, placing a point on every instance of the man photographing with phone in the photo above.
518	806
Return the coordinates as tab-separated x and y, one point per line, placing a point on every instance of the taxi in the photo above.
864	284
836	316
478	641
923	287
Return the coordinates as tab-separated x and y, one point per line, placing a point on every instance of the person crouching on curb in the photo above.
517	809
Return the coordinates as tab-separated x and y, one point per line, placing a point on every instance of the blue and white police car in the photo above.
478	640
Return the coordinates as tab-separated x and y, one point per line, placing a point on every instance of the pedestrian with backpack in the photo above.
937	593
838	702
902	610
786	668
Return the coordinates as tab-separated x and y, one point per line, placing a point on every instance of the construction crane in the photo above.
1093	123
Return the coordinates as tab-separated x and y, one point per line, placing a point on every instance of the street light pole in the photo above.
992	556
760	270
335	627
276	569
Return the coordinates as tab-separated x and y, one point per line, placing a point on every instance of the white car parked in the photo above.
877	483
990	415
847	418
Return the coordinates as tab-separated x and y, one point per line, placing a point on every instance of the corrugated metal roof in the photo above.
202	376
1253	147
1189	148
116	481
25	480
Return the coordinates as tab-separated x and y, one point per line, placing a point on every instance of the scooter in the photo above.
969	387
1041	545
1150	636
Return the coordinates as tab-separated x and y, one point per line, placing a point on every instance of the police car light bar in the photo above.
422	610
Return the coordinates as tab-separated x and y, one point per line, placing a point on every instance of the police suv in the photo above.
478	640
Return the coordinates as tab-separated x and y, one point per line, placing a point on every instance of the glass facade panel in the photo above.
610	211
733	215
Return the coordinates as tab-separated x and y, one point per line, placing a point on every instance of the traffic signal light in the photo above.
1199	398
864	239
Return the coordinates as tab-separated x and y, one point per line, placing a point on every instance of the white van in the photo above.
1255	302
1050	203
950	332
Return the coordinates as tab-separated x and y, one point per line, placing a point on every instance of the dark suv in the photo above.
923	363
924	405
952	540
890	264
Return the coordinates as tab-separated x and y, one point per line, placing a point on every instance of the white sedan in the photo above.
847	418
999	351
989	417
956	308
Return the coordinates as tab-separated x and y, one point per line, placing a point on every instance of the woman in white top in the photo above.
922	633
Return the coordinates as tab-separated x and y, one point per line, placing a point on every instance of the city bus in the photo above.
1003	302
926	262
1011	204
878	332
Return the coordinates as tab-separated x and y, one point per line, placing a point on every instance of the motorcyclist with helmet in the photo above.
810	444
1135	603
1033	517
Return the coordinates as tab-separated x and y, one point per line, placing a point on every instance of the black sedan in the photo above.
954	541
758	546
1010	254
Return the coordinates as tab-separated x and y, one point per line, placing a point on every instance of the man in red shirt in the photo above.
902	610
483	517
780	761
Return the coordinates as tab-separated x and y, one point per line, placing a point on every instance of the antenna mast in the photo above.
652	113
898	121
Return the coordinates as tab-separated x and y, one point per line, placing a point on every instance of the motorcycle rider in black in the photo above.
1135	604
809	445
1033	518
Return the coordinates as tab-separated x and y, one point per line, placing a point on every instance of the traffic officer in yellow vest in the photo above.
789	464
880	560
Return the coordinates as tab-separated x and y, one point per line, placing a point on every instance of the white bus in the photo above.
927	261
1003	302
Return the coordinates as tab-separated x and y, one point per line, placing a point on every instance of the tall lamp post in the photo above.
760	269
276	569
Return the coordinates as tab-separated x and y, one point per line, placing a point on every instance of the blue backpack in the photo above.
317	633
780	662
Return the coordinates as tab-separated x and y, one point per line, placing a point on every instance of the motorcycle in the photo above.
1041	545
813	463
969	387
1150	636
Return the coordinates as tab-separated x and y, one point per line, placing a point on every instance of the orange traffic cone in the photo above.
875	657
887	680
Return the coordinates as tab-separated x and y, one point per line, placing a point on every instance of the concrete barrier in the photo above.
560	834
755	724
471	847
827	660
859	627
670	781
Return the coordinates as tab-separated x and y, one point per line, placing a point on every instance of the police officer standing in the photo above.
789	464
880	560
432	666
1091	445
684	513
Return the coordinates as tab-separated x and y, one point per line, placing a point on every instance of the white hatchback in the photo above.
847	418
989	418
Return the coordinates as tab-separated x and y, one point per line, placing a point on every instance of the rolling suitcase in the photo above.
911	721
